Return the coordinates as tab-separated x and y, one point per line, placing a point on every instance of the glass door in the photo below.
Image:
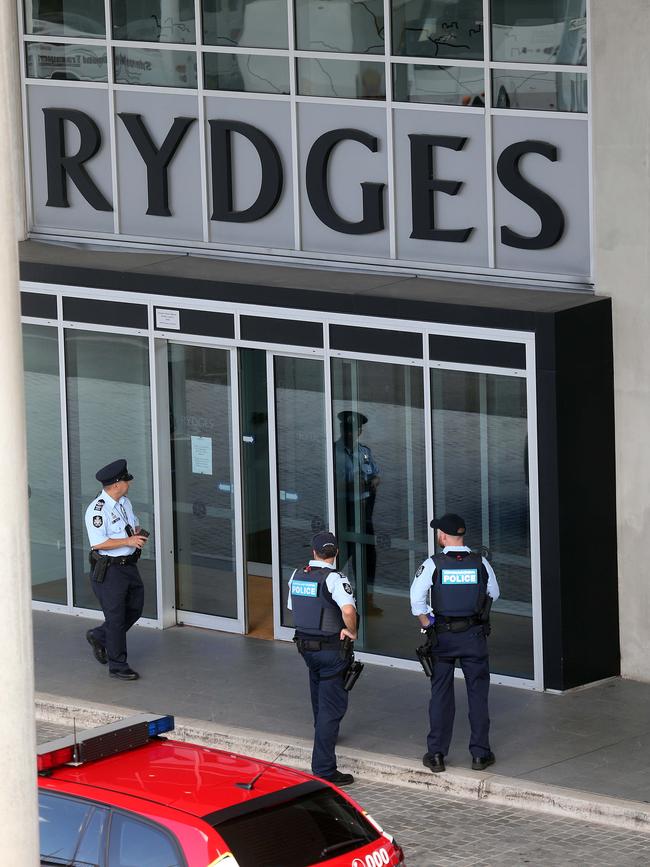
206	487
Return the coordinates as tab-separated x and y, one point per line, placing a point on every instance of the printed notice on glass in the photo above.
202	455
168	320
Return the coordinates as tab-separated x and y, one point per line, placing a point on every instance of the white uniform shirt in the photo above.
424	579
337	584
107	519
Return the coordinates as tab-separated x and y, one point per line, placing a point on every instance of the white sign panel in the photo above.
202	455
168	320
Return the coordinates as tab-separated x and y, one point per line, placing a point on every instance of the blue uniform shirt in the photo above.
424	579
359	461
337	584
107	519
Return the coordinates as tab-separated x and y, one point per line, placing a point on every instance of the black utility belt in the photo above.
316	642
123	561
457	624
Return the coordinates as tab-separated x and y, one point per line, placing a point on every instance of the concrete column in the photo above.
621	136
18	810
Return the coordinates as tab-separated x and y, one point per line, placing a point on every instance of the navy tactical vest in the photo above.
459	584
314	610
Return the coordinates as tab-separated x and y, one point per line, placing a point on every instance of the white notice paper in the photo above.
168	319
202	455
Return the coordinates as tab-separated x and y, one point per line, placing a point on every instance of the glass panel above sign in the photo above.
539	91
249	23
440	85
350	26
65	18
154	20
347	79
252	73
156	67
540	31
440	28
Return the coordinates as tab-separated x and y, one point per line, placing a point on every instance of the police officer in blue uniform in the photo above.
116	541
357	480
324	614
462	584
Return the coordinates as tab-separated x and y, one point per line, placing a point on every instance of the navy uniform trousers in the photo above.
329	702
121	597
470	648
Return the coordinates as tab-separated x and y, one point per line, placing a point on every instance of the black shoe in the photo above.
480	763
99	651
434	761
125	674
340	779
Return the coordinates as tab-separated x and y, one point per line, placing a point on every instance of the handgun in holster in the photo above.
424	652
353	671
484	616
98	565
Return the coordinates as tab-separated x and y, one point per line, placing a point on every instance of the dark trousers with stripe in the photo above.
121	597
470	649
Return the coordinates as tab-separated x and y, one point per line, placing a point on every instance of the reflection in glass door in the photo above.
480	471
380	493
204	487
300	495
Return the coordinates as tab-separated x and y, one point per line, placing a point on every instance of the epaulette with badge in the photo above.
99	505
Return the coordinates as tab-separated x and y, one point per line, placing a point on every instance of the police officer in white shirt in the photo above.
116	541
324	614
463	586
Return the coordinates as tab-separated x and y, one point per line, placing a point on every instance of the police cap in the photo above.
452	525
325	543
115	472
349	417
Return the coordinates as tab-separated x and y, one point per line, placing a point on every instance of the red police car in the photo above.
124	796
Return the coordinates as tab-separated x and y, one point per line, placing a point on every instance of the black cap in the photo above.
115	472
325	542
452	525
349	417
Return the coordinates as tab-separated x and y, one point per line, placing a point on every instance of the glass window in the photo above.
155	67
91	847
108	418
440	85
438	28
248	23
65	18
302	462
381	509
480	471
311	829
202	478
540	31
154	20
252	73
539	91
351	26
348	79
44	462
60	824
66	62
138	844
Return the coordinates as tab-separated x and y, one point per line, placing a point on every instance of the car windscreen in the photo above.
308	829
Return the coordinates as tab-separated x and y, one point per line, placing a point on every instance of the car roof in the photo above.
198	780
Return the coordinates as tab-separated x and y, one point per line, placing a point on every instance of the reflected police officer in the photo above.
116	541
324	614
463	586
357	480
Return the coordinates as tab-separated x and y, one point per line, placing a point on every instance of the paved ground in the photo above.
440	831
596	740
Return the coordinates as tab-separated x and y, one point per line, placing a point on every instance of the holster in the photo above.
352	674
98	566
424	652
485	616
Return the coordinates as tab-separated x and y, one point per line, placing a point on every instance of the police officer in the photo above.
462	584
357	480
116	541
324	613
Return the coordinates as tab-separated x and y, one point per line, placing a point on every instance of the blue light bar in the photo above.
161	725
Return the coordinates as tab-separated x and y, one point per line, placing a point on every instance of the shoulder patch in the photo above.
419	571
347	588
97	520
99	505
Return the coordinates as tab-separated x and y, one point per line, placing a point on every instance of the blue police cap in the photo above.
325	542
115	472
